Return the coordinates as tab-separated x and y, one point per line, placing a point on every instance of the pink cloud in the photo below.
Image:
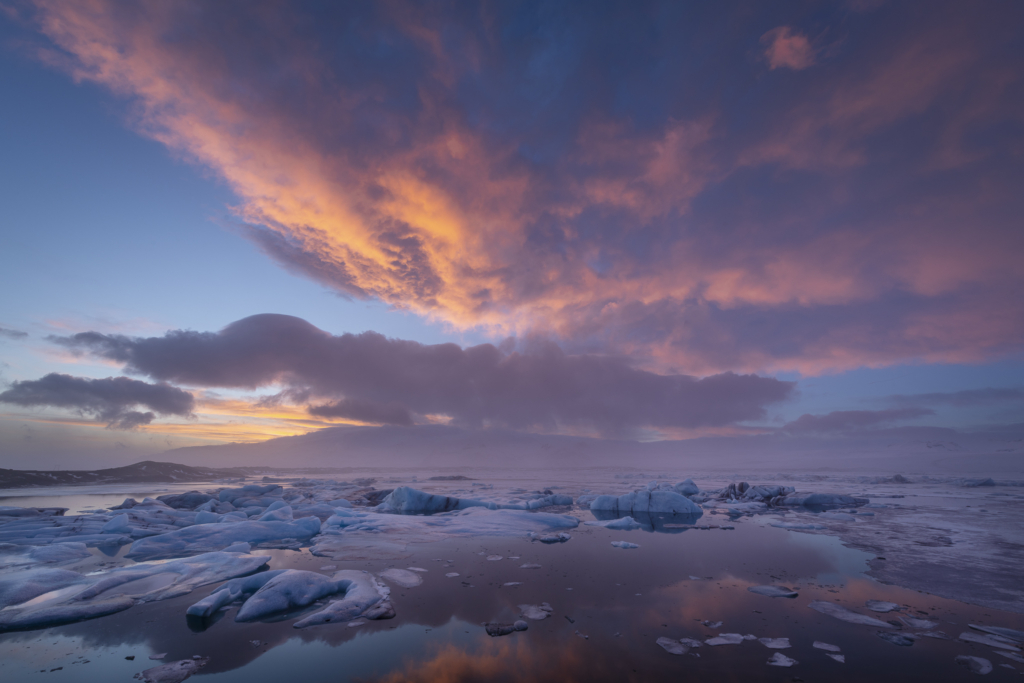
785	48
816	227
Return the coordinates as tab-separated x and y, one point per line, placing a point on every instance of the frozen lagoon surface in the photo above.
953	557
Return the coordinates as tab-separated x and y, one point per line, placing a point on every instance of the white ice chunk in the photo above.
495	558
839	658
775	643
625	545
773	591
231	591
914	622
403	577
779	659
1008	633
844	614
172	672
725	639
825	646
536	612
530	565
290	589
118	525
451	575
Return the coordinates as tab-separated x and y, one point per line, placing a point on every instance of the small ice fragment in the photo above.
159	656
696	578
750	636
416	569
839	658
725	639
255	643
495	629
520	625
357	622
881	606
451	575
551	538
709	624
513	557
328	567
773	591
775	643
914	622
895	638
825	646
529	565
673	647
1011	655
402	577
938	635
625	545
779	659
978	665
494	558
536	612
512	583
690	642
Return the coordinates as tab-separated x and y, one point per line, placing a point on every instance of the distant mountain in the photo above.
437	449
140	472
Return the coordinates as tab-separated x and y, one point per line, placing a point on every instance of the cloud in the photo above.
611	178
962	399
364	411
852	420
384	380
108	400
786	48
12	334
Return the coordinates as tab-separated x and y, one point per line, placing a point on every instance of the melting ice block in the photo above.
649	502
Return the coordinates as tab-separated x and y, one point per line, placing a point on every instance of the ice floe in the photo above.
211	537
725	639
70	596
625	545
825	646
773	591
844	614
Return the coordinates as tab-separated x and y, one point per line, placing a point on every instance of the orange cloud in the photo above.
785	48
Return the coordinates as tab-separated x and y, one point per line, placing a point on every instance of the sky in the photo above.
228	222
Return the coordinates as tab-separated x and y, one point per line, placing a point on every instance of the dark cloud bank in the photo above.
370	377
108	400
